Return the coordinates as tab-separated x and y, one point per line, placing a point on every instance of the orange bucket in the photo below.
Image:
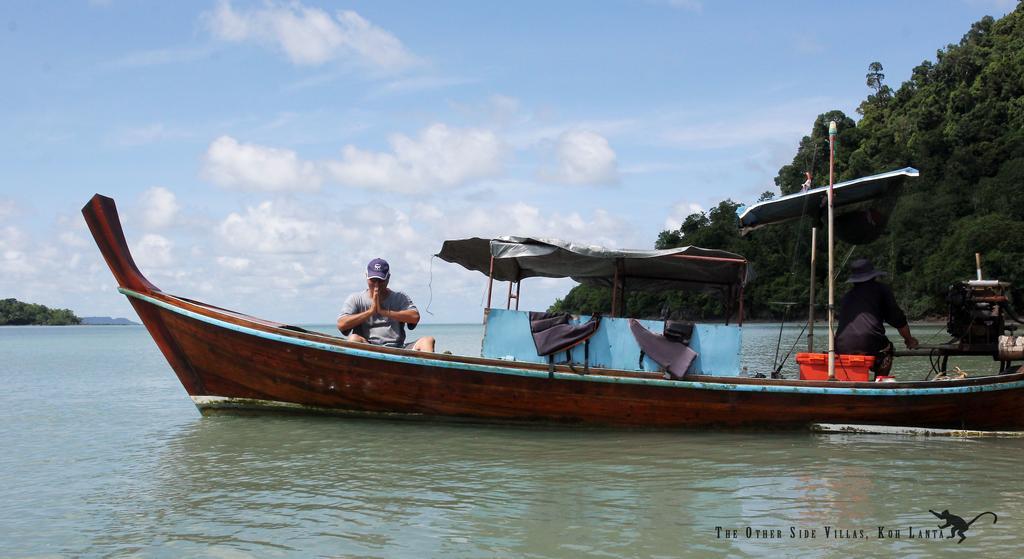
852	368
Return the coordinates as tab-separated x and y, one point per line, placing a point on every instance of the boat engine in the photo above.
976	311
977	319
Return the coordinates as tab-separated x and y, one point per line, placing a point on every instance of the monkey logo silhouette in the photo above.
958	525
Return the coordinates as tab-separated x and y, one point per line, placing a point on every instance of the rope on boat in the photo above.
803	211
776	366
778	371
430	285
842	266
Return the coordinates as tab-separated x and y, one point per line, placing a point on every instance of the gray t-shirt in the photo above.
377	329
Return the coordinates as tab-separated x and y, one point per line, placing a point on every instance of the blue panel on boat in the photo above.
718	349
614	347
507	336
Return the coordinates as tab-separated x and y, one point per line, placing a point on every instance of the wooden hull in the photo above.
230	361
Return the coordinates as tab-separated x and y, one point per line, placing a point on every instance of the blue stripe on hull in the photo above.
495	369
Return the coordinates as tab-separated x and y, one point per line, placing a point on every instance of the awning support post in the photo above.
490	282
513	294
619	289
615	290
740	321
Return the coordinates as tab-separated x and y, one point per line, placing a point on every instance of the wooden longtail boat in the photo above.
227	360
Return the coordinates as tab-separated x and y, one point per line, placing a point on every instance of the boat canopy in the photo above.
517	258
847	193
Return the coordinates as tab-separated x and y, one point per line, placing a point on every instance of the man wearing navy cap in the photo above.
862	316
379	315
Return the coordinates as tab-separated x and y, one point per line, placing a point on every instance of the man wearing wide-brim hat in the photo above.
863	313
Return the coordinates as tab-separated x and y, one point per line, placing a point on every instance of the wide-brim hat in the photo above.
862	270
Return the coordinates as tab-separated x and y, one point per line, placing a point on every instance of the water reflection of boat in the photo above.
228	360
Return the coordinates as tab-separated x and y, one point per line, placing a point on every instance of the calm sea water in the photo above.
104	455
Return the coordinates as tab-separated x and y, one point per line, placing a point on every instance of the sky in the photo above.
261	153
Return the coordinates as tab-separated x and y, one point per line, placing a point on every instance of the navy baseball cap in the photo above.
378	268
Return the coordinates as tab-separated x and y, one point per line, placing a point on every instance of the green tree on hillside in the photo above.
13	312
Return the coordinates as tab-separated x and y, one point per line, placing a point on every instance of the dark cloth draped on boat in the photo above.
517	258
673	355
553	333
861	315
863	226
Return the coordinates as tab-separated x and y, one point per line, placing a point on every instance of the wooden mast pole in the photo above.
810	307
832	131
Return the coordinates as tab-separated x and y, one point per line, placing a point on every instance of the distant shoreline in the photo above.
89	321
63	325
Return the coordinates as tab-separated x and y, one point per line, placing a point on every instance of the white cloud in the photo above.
680	211
7	208
234	263
650	167
153	251
15	263
421	83
504	105
159	57
35	271
253	167
532	129
304	253
498	111
522	219
440	157
311	36
373	43
141	135
57	272
732	129
728	134
72	239
584	157
12	237
159	207
267	228
427	211
147	134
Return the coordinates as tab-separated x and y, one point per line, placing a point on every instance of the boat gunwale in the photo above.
280	332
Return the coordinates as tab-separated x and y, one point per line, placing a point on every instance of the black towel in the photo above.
553	333
674	356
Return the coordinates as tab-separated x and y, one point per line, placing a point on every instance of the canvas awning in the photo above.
517	258
810	202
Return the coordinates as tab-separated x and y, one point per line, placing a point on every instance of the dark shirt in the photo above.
863	310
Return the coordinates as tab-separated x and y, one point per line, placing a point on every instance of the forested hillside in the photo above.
959	119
